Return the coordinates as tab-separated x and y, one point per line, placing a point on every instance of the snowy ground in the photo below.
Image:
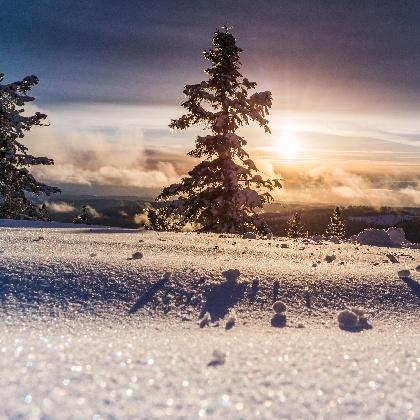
88	331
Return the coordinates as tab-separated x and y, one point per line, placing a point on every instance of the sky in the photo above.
344	76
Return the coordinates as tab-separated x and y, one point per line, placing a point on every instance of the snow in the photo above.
392	237
279	307
85	333
397	236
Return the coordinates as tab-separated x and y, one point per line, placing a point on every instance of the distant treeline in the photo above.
121	212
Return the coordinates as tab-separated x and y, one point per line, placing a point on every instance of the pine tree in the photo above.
84	217
337	225
296	228
44	213
16	182
222	193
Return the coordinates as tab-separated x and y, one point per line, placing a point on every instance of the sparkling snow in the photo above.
86	332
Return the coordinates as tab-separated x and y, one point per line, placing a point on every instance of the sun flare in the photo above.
288	143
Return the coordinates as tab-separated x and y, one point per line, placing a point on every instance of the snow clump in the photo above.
205	320
353	320
231	321
402	274
279	307
329	258
279	318
137	256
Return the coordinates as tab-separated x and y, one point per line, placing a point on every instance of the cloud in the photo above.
93	212
374	186
59	207
122	159
117	158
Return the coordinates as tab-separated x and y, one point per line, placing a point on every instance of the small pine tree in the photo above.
295	227
44	213
16	182
84	217
221	193
337	225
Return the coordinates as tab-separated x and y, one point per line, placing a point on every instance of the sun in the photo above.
288	143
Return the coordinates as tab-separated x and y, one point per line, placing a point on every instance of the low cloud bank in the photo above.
59	207
120	159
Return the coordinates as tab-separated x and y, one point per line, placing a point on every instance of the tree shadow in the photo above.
254	290
148	295
413	285
224	296
276	290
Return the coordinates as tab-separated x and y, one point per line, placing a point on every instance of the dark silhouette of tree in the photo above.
16	182
84	217
44	213
223	192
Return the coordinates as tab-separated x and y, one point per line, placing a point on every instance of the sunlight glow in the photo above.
288	143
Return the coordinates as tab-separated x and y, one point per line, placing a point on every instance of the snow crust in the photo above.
85	330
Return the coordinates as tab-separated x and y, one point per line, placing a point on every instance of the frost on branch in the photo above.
223	193
16	182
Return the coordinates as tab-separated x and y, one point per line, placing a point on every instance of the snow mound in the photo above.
374	237
392	237
397	236
316	238
334	239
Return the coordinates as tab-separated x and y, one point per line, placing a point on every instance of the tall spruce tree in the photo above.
336	226
295	227
223	193
16	182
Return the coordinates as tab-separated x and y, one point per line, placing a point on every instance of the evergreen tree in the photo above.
296	228
84	217
337	225
16	182
44	213
223	192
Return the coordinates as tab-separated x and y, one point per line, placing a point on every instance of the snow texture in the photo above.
85	333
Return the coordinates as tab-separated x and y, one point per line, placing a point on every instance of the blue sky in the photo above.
344	77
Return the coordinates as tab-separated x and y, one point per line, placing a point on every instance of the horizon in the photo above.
346	93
